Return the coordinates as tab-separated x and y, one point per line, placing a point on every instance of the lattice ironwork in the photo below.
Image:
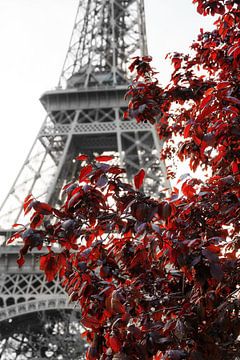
106	34
29	292
43	334
25	286
31	306
36	173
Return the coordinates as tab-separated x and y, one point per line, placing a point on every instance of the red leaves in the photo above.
235	167
208	109
16	235
134	64
209	7
41	208
206	100
20	261
51	264
187	130
120	247
234	51
82	157
187	189
223	85
141	65
90	322
84	172
214	248
164	210
177	61
116	305
115	343
138	178
103	158
27	204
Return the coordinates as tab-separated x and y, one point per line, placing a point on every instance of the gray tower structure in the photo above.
84	115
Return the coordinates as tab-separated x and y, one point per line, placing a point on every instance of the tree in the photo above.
158	279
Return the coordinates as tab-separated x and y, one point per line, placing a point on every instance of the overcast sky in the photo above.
34	37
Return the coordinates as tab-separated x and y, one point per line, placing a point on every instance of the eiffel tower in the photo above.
84	115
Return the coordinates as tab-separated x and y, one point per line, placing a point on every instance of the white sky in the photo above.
34	37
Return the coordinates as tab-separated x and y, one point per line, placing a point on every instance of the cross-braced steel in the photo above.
106	34
84	115
26	290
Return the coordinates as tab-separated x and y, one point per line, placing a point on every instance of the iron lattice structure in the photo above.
84	115
106	34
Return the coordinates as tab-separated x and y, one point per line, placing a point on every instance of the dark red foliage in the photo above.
138	179
159	279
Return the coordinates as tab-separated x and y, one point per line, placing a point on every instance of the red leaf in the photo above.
14	237
116	305
214	248
43	261
42	208
82	157
16	225
177	63
103	158
206	111
234	167
90	322
49	263
223	85
164	210
20	261
115	343
234	50
84	172
116	170
205	101
187	130
147	58
27	201
138	179
58	213
36	220
188	190
27	206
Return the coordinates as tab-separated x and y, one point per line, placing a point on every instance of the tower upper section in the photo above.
105	36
